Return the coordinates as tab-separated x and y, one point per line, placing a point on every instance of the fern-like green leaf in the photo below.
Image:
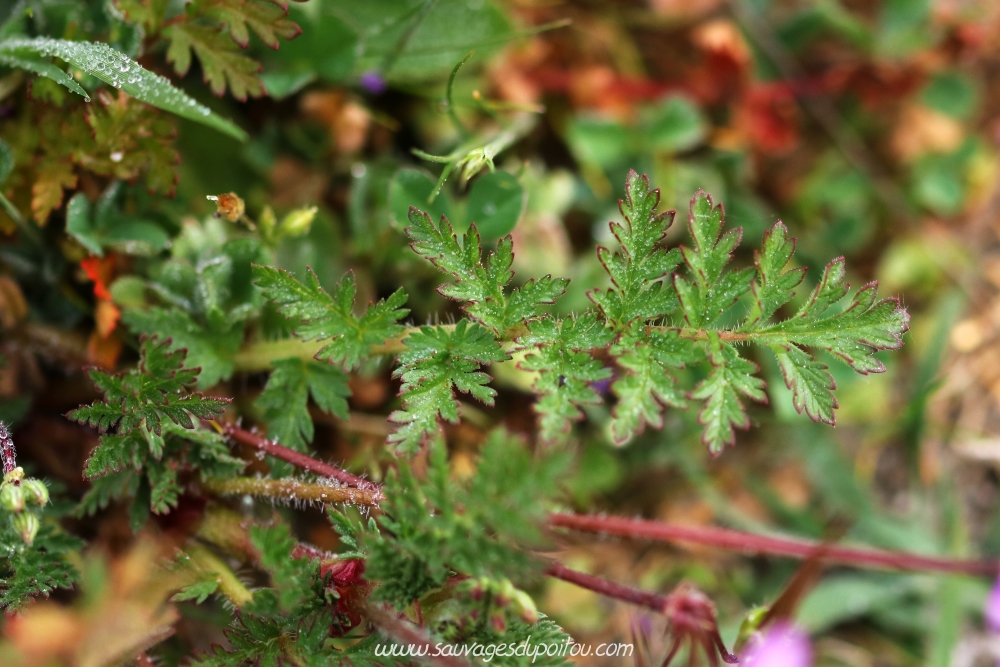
710	289
731	376
854	334
31	571
647	384
323	316
285	399
148	393
774	287
562	357
436	363
638	270
294	578
481	283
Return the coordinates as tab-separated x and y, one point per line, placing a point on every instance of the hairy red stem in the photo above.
724	538
298	459
407	634
653	601
7	454
640	529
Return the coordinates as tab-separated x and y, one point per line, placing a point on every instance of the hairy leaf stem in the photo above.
292	489
735	540
609	589
229	584
722	538
406	633
297	459
260	356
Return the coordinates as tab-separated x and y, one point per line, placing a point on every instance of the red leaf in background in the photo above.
100	270
103	352
767	114
876	84
725	63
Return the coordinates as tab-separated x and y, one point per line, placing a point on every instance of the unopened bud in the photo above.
11	498
298	222
525	607
35	491
497	620
267	221
26	524
14	476
505	592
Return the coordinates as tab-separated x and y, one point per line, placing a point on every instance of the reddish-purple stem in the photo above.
296	458
735	540
407	634
640	529
7	453
653	601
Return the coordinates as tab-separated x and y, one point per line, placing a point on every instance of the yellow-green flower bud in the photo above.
750	627
11	498
298	222
26	524
267	222
505	593
15	475
525	607
35	491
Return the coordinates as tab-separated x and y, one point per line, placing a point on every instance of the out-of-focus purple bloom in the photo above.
602	386
372	82
991	612
783	645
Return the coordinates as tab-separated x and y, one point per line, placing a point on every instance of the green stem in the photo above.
229	584
404	39
449	100
258	357
29	231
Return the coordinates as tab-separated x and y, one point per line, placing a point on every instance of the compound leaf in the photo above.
436	363
638	269
731	376
567	371
324	316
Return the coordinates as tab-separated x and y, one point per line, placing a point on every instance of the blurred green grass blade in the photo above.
41	68
117	69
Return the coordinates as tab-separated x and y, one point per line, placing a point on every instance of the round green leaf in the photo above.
598	141
412	187
496	202
676	126
137	237
78	224
951	93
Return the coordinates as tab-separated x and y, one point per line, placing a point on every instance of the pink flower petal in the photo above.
991	611
783	645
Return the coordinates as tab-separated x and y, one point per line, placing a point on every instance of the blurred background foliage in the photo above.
871	128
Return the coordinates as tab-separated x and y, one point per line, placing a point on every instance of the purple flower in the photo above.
783	645
373	82
602	386
991	611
